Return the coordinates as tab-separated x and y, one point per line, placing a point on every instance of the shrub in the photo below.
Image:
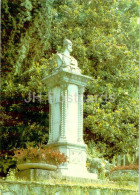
125	174
127	167
37	154
6	162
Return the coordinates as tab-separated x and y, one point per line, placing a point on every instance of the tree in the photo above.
99	30
26	29
103	38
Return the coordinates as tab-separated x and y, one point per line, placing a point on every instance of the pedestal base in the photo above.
82	174
76	164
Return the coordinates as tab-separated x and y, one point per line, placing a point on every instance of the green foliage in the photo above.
25	40
101	36
97	166
6	162
127	159
26	27
25	36
93	151
96	163
105	43
124	177
125	173
11	175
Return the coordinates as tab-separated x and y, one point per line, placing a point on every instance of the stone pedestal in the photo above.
66	120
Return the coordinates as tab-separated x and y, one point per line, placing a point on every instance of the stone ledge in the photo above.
80	145
41	188
36	166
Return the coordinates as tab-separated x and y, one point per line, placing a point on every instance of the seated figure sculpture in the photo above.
65	61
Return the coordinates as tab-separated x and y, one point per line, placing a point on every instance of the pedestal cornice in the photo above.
78	145
67	77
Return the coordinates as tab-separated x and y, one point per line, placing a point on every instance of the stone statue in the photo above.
65	61
66	87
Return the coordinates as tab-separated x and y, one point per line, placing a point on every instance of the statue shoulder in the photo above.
74	61
59	56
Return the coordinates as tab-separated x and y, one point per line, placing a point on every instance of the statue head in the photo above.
67	44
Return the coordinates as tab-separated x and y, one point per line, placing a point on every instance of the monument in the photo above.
66	86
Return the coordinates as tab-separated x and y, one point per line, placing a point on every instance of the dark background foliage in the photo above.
105	43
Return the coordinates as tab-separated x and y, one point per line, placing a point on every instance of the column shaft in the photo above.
63	113
50	98
80	114
50	123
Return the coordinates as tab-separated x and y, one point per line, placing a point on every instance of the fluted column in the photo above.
51	99
80	113
64	99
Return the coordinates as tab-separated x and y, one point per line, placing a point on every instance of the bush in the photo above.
96	162
6	162
37	154
125	174
127	167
